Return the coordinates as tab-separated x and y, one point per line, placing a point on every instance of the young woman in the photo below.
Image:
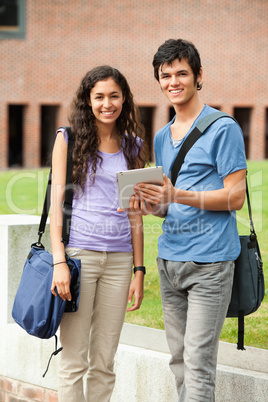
107	139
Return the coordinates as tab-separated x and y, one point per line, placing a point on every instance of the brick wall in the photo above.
64	39
17	391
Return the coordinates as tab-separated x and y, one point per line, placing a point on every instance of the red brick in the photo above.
51	396
66	39
10	385
2	396
31	392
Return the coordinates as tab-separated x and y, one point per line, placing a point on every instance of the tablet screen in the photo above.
127	179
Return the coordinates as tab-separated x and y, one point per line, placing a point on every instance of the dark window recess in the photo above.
12	19
146	114
15	124
48	132
9	14
266	135
242	115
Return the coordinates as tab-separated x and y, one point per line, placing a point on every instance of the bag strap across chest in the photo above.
190	140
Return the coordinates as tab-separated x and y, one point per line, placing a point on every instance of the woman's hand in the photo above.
139	206
61	280
136	290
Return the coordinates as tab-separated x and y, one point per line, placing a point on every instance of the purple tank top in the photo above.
96	224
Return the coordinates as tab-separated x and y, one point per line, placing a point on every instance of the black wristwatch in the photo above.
141	268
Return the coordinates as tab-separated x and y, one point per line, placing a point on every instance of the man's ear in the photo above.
200	75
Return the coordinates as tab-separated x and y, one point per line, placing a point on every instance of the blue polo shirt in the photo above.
192	234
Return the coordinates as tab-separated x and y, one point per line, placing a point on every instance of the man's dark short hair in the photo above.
173	49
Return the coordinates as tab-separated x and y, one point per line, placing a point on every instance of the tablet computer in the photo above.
127	179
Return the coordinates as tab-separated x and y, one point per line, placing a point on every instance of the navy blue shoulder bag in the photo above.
35	308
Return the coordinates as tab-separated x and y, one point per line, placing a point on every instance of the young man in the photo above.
200	240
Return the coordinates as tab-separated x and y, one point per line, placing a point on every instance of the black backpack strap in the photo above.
241	330
252	229
68	200
67	205
43	219
56	351
199	129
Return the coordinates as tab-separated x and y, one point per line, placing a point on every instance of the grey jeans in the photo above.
195	300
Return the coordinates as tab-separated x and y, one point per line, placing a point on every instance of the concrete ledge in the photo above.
241	375
17	233
142	368
154	339
143	374
240	385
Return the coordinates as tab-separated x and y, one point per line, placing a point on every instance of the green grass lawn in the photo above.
23	191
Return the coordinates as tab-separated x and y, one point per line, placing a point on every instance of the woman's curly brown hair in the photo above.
84	129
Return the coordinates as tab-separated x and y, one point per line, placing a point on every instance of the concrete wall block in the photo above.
18	233
142	360
233	384
143	375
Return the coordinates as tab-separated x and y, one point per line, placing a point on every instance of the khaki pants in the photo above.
90	336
